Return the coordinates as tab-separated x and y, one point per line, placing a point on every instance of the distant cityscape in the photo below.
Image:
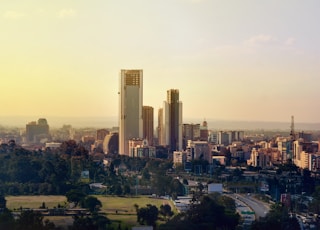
135	132
111	121
160	115
246	156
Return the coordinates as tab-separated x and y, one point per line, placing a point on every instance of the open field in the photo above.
117	209
122	210
15	202
123	205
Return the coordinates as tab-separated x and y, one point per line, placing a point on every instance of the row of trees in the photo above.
27	220
40	172
206	212
24	172
277	218
30	220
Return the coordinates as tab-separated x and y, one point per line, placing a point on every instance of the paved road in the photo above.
260	208
246	212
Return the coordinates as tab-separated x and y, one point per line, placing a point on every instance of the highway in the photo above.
260	208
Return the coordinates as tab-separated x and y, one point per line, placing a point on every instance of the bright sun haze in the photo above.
233	60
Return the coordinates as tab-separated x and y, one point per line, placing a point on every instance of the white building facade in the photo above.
131	102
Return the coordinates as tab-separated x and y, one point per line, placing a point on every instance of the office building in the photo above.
227	137
171	126
130	114
160	128
147	117
307	137
199	150
190	132
204	132
224	138
141	148
35	131
101	134
213	137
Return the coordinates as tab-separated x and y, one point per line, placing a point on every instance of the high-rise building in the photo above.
190	132
35	131
130	114
204	132
160	128
101	134
147	117
172	111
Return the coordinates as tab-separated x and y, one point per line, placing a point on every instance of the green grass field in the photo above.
118	209
15	202
122	210
110	204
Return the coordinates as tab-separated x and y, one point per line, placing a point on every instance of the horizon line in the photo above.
187	118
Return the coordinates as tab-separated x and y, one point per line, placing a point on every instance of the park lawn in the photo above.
120	210
125	205
15	202
126	221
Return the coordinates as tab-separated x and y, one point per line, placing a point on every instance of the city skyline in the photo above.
247	61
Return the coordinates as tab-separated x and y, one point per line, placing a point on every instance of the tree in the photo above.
204	213
30	220
118	189
314	206
75	196
83	223
185	181
3	202
147	215
177	187
145	175
100	221
6	219
166	211
43	205
161	183
68	147
94	222
126	189
277	218
92	203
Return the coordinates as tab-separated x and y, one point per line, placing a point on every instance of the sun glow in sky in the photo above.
232	60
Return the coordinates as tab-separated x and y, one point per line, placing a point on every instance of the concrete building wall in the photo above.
130	114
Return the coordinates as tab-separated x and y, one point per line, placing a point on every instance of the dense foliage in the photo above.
52	172
27	220
277	219
147	215
206	212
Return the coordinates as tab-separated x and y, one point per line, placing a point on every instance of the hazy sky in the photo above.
232	60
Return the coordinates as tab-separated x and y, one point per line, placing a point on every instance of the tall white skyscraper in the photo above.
131	102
